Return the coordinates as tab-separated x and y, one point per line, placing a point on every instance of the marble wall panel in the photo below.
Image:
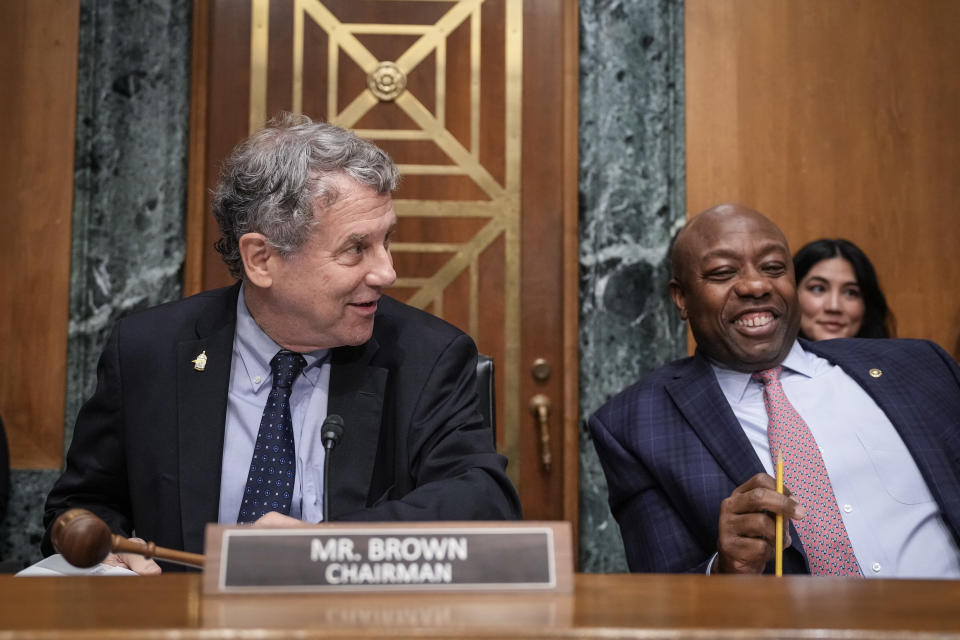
632	200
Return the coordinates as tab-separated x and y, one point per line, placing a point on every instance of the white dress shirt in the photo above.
893	522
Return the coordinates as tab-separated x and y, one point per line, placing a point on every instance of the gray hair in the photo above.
271	181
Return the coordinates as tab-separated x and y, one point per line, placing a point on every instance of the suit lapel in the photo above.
698	397
356	395
202	407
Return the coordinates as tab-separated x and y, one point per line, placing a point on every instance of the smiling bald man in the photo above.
870	430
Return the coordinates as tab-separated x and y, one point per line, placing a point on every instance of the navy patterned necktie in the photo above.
274	464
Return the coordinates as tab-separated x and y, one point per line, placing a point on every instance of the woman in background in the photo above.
839	293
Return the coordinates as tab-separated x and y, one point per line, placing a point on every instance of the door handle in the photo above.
540	409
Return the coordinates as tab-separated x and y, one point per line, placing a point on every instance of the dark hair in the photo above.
878	320
271	181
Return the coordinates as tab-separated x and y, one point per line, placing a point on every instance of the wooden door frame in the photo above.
571	266
197	200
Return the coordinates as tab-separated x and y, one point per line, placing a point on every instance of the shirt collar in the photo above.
734	383
256	349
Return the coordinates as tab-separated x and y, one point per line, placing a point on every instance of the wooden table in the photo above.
602	606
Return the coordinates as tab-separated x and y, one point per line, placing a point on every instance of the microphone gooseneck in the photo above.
330	434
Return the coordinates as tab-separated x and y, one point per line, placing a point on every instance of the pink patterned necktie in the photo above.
822	531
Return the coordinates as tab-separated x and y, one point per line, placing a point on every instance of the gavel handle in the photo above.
150	550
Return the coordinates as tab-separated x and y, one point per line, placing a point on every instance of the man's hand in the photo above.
748	527
274	519
134	562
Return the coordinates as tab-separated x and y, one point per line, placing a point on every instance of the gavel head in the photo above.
81	537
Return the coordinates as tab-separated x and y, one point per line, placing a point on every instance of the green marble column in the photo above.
631	202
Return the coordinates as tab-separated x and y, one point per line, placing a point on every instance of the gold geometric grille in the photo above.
496	211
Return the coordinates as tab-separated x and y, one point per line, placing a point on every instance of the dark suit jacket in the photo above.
672	448
147	447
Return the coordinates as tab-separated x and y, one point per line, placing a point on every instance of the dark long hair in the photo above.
878	320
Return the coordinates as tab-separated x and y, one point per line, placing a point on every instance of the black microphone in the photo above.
331	431
330	434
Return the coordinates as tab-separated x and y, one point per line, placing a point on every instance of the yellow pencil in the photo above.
779	542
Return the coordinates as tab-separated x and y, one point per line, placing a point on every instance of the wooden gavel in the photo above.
84	540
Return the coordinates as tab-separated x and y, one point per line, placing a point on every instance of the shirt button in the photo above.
847	508
257	379
876	567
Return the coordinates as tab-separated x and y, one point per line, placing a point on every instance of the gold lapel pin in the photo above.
200	363
875	373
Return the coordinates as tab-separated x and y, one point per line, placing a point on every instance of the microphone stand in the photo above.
330	434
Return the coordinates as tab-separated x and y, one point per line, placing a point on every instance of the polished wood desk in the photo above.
602	606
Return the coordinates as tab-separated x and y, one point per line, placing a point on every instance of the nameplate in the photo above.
444	556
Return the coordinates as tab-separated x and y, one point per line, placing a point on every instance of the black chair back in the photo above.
488	406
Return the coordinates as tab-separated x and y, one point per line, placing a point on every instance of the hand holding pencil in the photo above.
747	538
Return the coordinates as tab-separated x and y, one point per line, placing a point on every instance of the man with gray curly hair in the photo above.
210	409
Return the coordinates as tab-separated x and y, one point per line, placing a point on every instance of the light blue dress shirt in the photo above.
250	383
893	522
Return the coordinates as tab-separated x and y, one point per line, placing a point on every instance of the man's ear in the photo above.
256	253
676	293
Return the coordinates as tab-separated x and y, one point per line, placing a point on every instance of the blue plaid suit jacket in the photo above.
672	449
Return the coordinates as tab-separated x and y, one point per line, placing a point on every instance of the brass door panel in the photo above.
443	86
